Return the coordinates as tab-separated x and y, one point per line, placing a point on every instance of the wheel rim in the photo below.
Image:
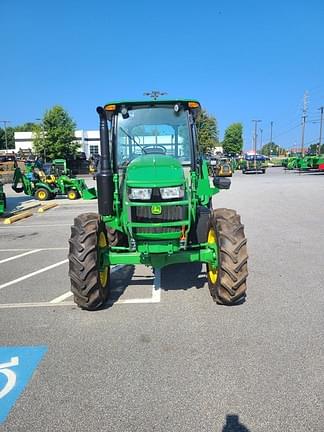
212	272
41	195
72	195
103	275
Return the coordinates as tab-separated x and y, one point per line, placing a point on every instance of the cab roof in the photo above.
151	102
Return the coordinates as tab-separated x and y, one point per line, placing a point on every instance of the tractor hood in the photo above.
155	170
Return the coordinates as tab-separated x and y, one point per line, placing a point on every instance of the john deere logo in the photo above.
156	210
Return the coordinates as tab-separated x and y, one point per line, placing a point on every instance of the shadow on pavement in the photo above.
234	425
13	202
120	279
183	276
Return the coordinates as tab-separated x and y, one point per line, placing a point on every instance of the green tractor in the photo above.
254	164
2	200
47	185
154	200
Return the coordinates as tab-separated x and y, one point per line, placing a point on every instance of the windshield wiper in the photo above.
134	140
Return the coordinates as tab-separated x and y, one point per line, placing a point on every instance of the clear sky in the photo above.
242	59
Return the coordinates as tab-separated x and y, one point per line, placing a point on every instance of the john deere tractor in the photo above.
2	200
154	200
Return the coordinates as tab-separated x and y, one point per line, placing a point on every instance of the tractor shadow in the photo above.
120	279
183	276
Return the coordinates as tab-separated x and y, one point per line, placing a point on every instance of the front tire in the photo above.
73	194
42	194
90	284
227	284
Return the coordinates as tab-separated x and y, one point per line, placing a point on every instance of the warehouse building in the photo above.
89	141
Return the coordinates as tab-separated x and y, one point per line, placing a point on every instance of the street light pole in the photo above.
271	125
255	139
5	122
320	135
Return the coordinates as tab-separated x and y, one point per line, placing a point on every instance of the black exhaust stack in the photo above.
104	178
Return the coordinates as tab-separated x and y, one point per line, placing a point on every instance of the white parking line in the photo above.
61	298
29	275
20	255
156	292
29	249
59	301
34	226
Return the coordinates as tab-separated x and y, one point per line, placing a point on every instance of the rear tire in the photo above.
89	285
227	284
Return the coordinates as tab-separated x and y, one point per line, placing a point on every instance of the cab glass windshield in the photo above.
153	131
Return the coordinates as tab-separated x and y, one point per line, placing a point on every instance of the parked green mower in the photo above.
253	164
2	200
44	186
154	199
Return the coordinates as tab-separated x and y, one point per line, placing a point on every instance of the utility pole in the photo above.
5	122
304	116
255	139
261	132
320	135
154	94
270	147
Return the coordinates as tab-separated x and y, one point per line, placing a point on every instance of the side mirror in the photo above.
222	182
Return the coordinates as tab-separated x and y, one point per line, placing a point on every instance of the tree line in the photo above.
53	137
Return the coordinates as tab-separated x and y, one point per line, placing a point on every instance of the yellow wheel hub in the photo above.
41	195
103	275
212	273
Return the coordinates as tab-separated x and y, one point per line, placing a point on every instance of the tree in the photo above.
26	127
314	149
207	132
54	136
233	139
272	149
10	132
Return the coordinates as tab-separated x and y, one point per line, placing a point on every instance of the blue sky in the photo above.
242	59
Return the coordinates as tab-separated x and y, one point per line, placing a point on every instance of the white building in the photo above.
89	141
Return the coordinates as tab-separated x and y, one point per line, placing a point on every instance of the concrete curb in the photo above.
17	217
46	207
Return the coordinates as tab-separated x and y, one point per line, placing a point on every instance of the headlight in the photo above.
140	194
172	192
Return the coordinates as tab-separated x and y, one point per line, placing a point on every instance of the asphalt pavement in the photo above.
162	356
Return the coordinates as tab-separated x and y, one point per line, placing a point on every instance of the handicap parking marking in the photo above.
17	365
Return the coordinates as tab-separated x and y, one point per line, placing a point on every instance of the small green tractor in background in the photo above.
155	205
254	164
47	185
2	200
220	167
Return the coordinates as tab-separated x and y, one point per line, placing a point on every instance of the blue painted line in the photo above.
17	365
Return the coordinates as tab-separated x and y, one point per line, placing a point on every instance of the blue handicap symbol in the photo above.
17	365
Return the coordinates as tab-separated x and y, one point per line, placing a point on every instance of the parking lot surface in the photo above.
162	356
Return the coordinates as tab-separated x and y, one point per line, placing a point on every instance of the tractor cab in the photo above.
146	129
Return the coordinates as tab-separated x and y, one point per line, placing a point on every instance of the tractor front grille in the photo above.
168	214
